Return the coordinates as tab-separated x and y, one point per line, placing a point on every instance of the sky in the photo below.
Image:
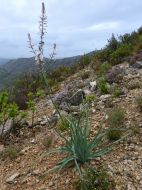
76	26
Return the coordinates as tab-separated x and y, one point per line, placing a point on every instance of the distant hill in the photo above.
10	70
3	61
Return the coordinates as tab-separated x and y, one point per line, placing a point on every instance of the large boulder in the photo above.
61	96
70	94
77	98
115	74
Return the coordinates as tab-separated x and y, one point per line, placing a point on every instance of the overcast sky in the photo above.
76	26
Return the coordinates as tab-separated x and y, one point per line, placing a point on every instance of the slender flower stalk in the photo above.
39	52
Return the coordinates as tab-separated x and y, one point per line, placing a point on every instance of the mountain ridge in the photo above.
13	68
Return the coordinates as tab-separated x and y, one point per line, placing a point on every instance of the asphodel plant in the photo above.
78	148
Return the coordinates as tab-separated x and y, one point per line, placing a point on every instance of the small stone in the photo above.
51	184
12	178
138	178
33	141
43	122
36	172
25	150
93	85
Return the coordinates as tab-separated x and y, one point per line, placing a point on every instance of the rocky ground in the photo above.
123	164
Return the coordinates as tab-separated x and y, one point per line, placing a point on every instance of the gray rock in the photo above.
77	98
104	97
137	65
115	74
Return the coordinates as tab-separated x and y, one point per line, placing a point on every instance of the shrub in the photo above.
83	62
95	180
116	91
104	68
90	98
85	75
10	152
40	93
29	82
47	142
123	51
139	103
102	86
8	111
114	134
115	121
63	124
116	117
112	43
99	68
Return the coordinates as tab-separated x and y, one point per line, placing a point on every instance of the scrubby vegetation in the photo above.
98	180
82	142
11	152
9	112
102	85
115	122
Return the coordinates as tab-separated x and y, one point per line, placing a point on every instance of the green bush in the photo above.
95	180
10	152
85	75
113	43
100	69
115	121
29	82
83	62
116	117
114	134
121	52
62	124
90	98
47	142
8	111
102	86
116	91
104	68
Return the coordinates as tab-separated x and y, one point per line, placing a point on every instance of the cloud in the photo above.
76	26
104	26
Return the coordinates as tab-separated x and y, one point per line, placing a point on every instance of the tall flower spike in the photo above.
43	8
39	51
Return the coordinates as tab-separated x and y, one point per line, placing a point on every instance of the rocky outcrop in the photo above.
115	74
137	57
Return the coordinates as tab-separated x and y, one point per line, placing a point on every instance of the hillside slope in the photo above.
14	68
123	165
